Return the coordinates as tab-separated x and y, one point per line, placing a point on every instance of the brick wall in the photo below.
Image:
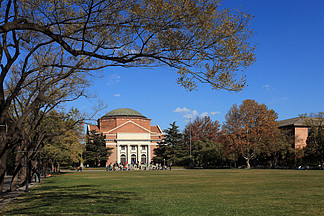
301	134
113	157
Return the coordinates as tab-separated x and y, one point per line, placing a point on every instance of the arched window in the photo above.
143	158
123	158
133	158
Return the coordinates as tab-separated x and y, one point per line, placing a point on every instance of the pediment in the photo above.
129	127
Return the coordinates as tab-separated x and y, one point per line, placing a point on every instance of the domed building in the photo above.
130	134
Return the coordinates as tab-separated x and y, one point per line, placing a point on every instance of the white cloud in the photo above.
114	78
266	86
214	113
181	110
117	95
191	114
204	114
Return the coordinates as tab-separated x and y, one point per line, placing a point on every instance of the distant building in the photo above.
130	134
298	128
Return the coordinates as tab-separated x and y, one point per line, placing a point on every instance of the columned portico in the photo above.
142	152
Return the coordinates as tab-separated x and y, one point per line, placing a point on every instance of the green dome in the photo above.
124	112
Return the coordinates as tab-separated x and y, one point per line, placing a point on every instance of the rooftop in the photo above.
124	112
301	122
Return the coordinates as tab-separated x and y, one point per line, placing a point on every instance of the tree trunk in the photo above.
44	171
9	138
23	172
14	180
275	161
248	166
18	167
4	153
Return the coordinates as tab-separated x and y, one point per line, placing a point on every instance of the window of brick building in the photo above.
143	158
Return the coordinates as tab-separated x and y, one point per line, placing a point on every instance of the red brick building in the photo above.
298	128
130	134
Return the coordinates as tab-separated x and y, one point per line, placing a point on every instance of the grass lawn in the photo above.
178	192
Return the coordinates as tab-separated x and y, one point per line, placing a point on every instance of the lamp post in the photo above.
81	160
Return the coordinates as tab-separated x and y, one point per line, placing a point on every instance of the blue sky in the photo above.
287	75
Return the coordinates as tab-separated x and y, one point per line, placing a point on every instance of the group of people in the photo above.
134	166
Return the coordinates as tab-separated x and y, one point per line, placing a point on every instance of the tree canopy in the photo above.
203	134
64	147
314	150
172	148
96	151
202	128
199	38
248	127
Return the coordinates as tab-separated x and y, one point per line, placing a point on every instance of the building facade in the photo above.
130	135
298	129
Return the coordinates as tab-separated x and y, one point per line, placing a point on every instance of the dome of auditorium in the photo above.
124	112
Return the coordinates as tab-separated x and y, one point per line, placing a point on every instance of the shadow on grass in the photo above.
79	200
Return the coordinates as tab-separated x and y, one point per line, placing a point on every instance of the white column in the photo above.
128	154
118	153
148	156
138	153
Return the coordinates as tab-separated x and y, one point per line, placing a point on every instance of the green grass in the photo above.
178	192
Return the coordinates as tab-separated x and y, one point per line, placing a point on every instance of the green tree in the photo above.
64	148
162	153
96	153
277	148
314	150
207	153
172	148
